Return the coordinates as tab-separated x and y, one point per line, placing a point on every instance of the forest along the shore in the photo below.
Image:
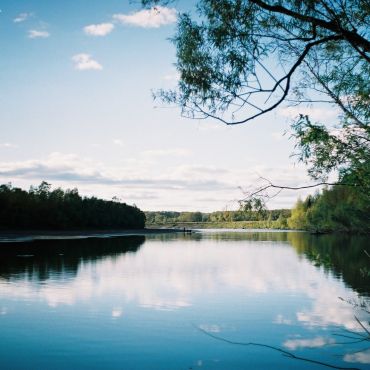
336	209
44	209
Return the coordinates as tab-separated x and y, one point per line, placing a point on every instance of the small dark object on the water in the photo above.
187	231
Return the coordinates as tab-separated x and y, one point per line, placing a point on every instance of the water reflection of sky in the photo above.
244	289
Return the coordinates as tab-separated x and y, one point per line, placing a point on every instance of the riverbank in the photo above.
7	236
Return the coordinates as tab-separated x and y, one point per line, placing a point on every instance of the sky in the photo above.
76	110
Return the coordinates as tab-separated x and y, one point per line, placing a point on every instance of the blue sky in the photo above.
76	110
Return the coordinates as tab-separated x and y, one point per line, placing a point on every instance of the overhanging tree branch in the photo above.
278	83
240	59
351	36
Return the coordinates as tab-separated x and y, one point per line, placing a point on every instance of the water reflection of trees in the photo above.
342	254
44	259
224	235
259	236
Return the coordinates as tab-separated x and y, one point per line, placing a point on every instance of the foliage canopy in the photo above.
337	209
240	59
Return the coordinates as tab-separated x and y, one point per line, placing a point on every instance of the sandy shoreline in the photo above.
29	235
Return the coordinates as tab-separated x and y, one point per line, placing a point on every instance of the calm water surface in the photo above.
171	301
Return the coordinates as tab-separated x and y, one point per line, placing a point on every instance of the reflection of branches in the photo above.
282	351
362	306
354	336
363	327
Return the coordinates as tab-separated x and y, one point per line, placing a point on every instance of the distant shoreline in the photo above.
30	235
271	225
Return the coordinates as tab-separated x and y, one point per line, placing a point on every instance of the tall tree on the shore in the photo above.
240	59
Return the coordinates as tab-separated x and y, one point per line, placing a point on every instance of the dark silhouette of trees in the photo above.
61	257
43	208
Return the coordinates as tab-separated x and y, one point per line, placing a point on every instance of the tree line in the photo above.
43	208
335	209
167	217
340	208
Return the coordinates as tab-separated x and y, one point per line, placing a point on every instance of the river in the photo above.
214	299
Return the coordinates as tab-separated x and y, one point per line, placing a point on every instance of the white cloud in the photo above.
317	342
116	312
180	185
175	76
278	136
21	17
101	29
166	152
205	125
358	357
149	18
281	320
315	113
347	133
118	142
35	34
56	165
69	167
84	62
210	328
8	145
140	195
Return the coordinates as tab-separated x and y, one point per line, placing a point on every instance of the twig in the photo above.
273	186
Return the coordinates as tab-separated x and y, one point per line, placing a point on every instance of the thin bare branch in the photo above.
281	187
